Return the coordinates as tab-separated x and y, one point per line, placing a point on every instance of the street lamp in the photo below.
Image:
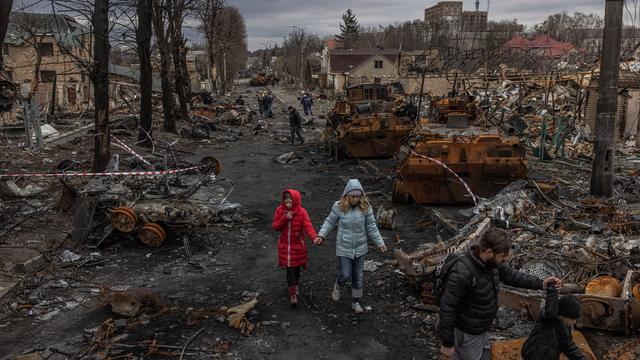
301	52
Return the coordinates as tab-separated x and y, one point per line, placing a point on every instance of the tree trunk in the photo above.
100	79
183	67
176	46
166	74
143	37
5	10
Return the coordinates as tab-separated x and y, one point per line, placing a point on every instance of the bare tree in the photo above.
100	77
297	48
5	10
209	15
143	37
177	10
160	15
226	35
32	32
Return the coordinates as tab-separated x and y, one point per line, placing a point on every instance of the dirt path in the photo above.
229	260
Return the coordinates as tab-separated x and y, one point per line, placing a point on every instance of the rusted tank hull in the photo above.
619	314
370	138
487	163
370	144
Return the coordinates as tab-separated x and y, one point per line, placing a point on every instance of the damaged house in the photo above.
42	52
347	67
628	109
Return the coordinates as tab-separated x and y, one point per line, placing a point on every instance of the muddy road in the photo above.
232	260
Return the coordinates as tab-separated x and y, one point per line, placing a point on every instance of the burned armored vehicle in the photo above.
449	160
369	123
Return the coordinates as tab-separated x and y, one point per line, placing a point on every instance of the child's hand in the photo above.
382	248
289	214
317	240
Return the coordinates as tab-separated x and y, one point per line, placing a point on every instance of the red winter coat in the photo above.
292	251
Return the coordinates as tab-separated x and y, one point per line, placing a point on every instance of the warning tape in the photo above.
126	148
91	174
466	186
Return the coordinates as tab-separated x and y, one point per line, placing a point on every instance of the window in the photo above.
47	75
376	80
377	64
46	49
5	49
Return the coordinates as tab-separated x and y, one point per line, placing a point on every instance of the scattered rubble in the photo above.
287	158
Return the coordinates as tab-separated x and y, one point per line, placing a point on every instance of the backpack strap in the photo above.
468	263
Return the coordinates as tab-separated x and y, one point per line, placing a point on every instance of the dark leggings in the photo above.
293	275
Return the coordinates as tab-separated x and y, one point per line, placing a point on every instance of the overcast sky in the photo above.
268	21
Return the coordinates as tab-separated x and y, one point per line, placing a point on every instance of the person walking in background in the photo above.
269	104
295	125
293	223
260	103
353	216
307	103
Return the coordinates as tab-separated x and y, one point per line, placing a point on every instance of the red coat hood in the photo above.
295	197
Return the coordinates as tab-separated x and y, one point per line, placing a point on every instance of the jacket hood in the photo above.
295	197
352	184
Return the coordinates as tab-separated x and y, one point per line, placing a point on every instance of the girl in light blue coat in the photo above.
353	216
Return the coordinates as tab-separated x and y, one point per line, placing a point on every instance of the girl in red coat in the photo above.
292	221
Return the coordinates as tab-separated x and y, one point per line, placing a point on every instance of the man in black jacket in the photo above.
470	301
552	334
295	124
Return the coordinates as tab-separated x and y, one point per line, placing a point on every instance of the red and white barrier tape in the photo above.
466	186
126	148
91	174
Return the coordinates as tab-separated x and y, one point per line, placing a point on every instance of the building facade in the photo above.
41	50
449	16
346	67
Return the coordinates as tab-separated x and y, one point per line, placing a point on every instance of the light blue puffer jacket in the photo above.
354	227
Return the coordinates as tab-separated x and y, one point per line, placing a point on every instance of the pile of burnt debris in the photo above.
558	230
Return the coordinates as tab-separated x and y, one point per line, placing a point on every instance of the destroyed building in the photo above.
628	109
55	44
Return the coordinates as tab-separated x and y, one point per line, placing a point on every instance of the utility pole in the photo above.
604	150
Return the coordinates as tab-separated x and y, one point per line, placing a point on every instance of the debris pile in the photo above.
263	79
561	231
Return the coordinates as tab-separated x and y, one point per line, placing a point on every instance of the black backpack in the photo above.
441	274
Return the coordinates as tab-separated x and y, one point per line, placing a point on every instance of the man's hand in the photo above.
552	279
446	352
289	214
382	248
318	240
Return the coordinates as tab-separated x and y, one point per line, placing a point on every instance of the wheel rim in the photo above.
152	235
124	219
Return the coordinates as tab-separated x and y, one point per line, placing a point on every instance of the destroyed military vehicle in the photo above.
149	208
445	152
368	123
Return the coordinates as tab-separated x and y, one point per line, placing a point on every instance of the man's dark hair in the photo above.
497	240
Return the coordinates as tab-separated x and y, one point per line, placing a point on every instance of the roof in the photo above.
333	44
133	74
553	49
65	29
344	60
